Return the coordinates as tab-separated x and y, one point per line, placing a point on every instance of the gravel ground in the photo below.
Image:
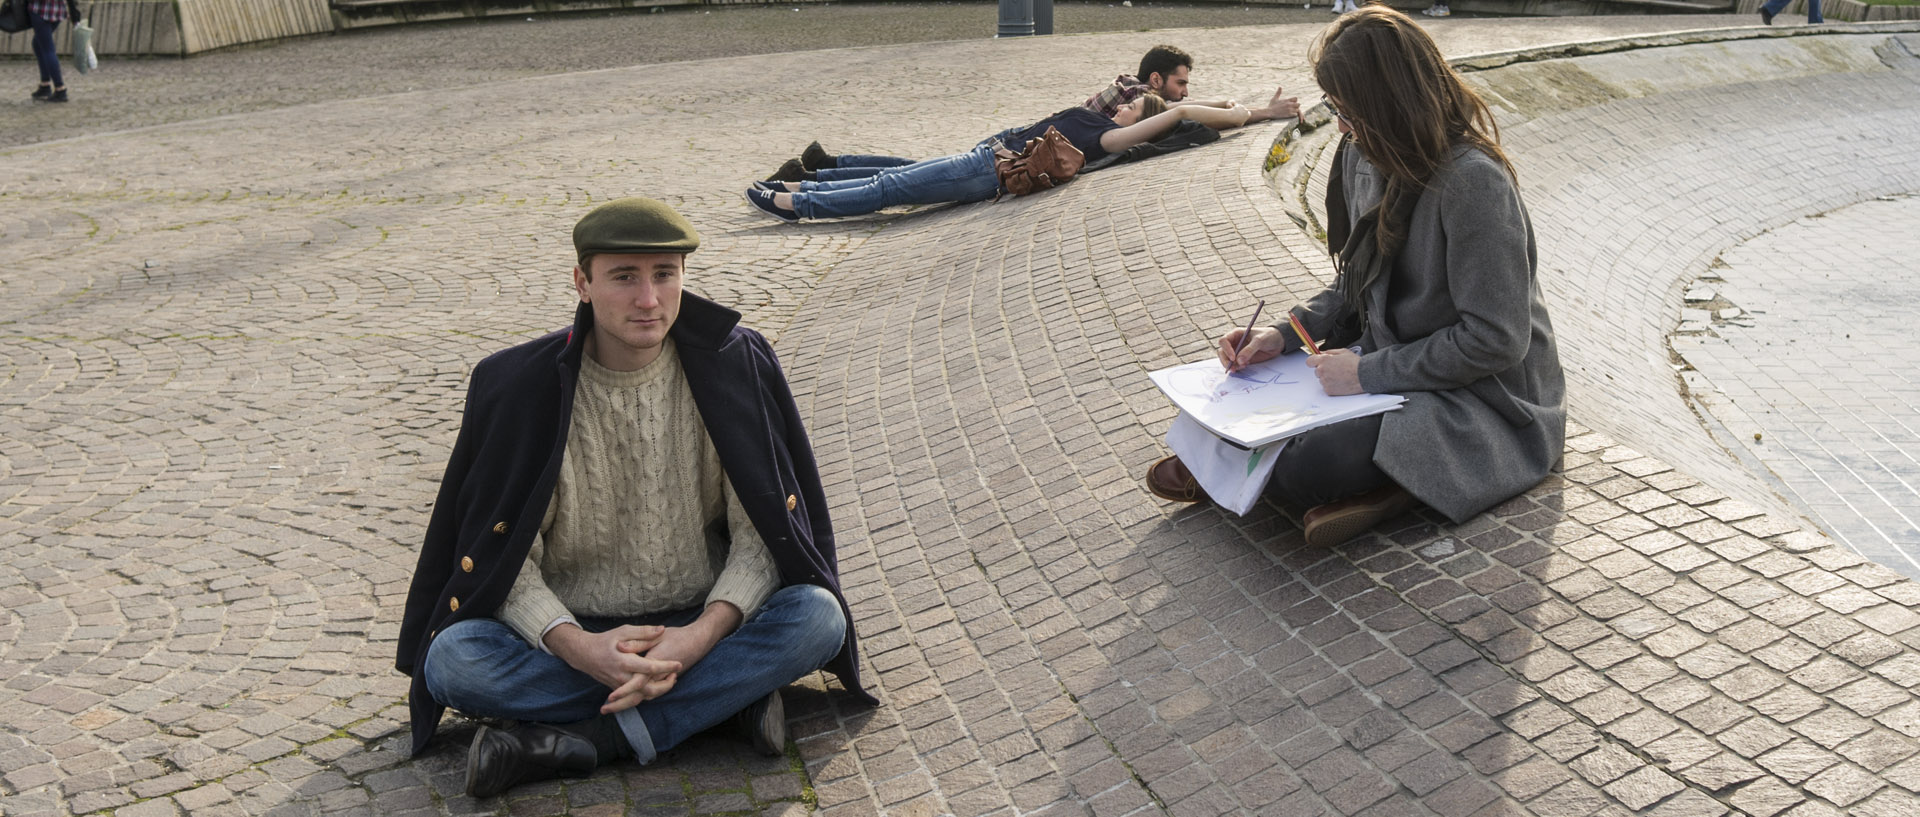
137	92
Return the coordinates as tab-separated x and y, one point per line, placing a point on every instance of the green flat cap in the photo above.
634	225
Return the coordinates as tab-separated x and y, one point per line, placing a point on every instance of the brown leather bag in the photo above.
1048	161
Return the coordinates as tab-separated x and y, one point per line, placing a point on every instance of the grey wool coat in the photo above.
1459	328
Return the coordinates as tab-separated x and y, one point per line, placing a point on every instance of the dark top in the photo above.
1186	134
512	438
1081	127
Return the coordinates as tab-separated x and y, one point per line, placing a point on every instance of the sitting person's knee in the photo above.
817	617
459	656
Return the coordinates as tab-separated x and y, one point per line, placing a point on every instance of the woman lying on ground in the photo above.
970	176
1435	285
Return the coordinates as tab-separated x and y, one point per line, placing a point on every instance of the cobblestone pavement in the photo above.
134	92
1800	335
234	351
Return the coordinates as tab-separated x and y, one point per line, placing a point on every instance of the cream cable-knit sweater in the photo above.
627	531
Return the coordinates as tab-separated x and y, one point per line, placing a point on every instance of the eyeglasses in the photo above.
1335	111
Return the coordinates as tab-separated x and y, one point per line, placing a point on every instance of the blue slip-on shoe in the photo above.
763	199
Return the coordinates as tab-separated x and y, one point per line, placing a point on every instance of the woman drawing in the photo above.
1436	286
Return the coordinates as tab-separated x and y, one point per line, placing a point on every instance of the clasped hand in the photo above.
1338	369
639	663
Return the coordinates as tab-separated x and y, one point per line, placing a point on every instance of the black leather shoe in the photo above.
765	723
816	157
1766	17
790	171
503	758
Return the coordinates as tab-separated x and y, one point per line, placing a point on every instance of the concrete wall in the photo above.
210	24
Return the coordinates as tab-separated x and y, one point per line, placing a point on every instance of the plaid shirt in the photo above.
52	11
1125	88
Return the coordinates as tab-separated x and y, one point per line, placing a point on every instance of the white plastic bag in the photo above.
83	58
1233	476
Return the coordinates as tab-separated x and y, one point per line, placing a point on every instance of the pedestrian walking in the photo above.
1774	7
46	15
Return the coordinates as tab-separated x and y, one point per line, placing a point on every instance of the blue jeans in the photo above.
1813	9
962	177
43	49
482	667
858	166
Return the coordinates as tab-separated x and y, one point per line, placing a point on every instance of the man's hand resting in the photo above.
687	645
618	658
642	663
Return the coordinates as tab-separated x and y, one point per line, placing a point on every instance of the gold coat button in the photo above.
466	564
453	604
499	527
792	502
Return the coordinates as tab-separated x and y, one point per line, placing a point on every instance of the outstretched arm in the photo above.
1153	127
1158	125
1277	107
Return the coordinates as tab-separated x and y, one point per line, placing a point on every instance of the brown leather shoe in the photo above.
1336	522
1171	481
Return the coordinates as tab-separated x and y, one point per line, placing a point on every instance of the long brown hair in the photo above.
1153	105
1405	105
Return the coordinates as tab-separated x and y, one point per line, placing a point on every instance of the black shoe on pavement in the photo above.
43	92
58	96
500	759
790	171
1766	16
816	157
763	200
765	723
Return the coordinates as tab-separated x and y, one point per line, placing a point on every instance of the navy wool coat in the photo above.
507	458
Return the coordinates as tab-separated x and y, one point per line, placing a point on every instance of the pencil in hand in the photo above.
1246	335
1305	339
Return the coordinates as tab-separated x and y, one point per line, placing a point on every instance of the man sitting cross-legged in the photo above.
631	542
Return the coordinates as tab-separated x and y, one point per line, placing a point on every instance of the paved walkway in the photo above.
233	354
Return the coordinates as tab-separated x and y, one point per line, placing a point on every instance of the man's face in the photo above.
1170	87
635	298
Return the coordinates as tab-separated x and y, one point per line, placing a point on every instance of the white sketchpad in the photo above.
1264	402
